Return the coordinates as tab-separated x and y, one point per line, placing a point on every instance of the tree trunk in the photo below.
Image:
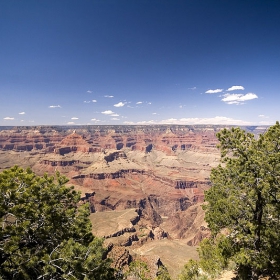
255	274
258	221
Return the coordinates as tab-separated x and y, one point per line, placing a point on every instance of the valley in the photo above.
145	184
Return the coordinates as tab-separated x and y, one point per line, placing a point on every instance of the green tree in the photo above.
244	200
138	270
162	273
44	233
190	270
214	257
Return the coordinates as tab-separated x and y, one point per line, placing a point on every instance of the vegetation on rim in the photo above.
44	234
243	208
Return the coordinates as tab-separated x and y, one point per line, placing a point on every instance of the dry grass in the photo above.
106	223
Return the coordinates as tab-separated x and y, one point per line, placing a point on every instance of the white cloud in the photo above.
115	119
214	90
55	106
149	103
9	118
238	98
219	120
235	88
263	116
74	118
192	88
86	101
109	96
139	102
89	91
266	123
147	122
171	120
248	96
120	104
95	120
21	113
235	103
107	112
70	123
154	114
115	115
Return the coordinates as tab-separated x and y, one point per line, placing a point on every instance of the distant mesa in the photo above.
73	143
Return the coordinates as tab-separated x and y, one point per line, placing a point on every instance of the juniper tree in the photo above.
244	200
44	233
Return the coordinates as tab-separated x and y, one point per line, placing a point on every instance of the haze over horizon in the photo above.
139	62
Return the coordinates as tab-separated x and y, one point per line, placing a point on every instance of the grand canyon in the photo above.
145	184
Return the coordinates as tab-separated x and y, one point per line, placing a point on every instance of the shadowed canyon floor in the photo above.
145	184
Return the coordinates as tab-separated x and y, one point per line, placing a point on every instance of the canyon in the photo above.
144	184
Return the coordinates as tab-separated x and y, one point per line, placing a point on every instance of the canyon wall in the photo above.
159	172
164	165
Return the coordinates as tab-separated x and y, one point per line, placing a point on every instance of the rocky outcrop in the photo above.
63	162
158	233
113	175
202	233
114	156
29	138
73	143
178	184
120	256
147	210
120	232
153	263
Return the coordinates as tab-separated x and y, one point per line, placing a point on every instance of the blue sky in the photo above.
139	62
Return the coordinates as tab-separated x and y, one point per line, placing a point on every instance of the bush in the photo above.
44	233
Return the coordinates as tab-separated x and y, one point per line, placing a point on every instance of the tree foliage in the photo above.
138	270
214	257
244	200
44	233
190	270
162	273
